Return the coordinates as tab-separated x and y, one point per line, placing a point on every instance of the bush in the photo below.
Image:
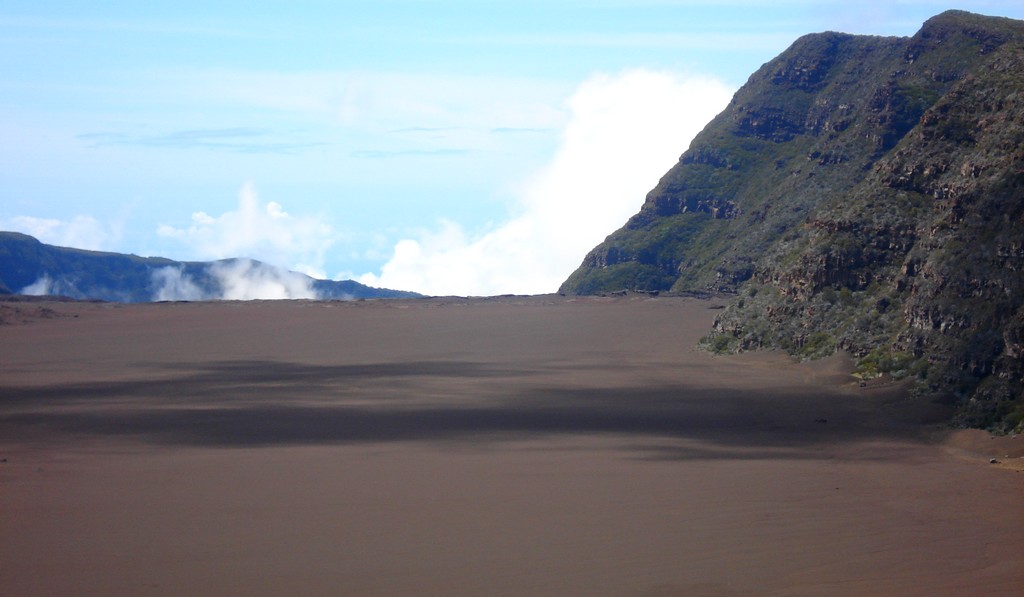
817	345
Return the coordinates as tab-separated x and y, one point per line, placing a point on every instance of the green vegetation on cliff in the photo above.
858	193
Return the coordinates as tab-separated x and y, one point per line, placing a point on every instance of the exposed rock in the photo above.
863	194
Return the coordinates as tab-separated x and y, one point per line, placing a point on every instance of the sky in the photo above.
460	147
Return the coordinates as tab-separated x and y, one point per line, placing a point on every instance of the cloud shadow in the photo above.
265	403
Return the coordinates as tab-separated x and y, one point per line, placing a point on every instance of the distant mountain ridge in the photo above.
29	266
858	193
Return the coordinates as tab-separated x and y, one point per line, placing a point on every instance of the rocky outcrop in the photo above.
863	194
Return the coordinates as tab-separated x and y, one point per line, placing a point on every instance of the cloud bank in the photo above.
625	131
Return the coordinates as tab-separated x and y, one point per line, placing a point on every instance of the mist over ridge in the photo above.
28	266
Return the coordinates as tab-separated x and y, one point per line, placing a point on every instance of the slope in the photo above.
858	193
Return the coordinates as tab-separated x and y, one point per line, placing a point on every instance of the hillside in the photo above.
858	193
31	267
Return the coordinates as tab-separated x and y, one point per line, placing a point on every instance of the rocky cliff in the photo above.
863	194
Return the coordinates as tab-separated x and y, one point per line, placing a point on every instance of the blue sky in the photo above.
448	147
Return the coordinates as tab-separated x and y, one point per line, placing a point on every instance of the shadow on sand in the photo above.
263	403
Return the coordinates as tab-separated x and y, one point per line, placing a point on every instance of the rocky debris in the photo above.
14	312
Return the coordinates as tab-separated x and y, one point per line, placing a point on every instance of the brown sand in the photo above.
507	446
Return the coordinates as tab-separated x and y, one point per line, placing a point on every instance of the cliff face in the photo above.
858	193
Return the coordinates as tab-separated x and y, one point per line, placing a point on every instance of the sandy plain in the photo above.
514	446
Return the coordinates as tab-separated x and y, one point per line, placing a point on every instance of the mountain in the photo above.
863	194
31	267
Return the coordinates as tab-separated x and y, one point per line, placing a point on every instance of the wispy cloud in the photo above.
238	139
721	41
506	130
401	153
376	102
425	129
141	26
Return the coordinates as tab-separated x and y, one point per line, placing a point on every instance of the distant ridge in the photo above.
29	266
859	193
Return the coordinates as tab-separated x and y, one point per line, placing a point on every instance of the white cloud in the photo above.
625	131
243	280
257	230
41	287
172	284
80	232
234	280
